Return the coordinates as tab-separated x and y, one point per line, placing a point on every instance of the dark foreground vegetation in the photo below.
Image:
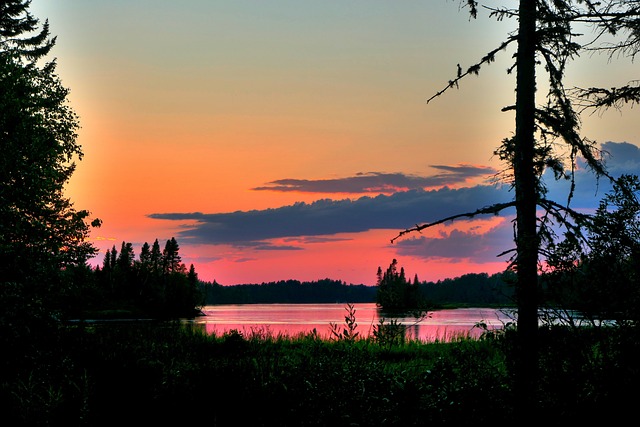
174	374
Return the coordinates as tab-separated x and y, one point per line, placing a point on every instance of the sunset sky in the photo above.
292	139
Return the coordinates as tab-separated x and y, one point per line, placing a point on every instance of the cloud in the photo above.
461	245
303	223
316	239
241	260
377	182
619	157
272	247
327	217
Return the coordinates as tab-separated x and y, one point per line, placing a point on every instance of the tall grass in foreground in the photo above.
148	374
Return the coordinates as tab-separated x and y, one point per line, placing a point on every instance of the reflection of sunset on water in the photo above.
294	319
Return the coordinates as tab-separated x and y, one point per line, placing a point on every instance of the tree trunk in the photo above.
526	197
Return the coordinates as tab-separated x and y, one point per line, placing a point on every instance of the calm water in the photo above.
293	319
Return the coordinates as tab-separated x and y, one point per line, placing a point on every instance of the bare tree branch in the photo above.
493	209
600	99
474	69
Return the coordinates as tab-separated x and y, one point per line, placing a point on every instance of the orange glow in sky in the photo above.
291	139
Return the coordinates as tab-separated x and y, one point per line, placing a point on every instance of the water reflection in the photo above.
295	319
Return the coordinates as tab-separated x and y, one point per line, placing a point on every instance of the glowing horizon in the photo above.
292	140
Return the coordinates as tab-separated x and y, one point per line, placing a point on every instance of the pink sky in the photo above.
291	139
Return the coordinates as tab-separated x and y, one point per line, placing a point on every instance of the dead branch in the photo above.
474	69
493	209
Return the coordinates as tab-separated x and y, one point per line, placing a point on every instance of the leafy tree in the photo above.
41	233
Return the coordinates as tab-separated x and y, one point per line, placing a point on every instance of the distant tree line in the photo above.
479	289
396	293
288	291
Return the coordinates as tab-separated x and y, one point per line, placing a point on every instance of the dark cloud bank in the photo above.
326	217
399	210
376	182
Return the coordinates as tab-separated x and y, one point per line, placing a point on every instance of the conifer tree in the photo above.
126	257
145	256
106	263
171	257
394	292
17	28
156	258
114	256
192	275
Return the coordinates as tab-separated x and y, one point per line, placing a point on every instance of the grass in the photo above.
140	373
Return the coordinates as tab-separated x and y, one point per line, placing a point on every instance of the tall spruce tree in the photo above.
145	255
20	34
172	262
155	258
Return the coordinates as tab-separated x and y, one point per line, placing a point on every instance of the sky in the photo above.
291	139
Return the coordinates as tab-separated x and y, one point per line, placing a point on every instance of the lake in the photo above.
294	319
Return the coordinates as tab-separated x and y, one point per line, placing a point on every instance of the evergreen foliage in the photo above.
17	28
288	291
395	293
471	290
155	285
